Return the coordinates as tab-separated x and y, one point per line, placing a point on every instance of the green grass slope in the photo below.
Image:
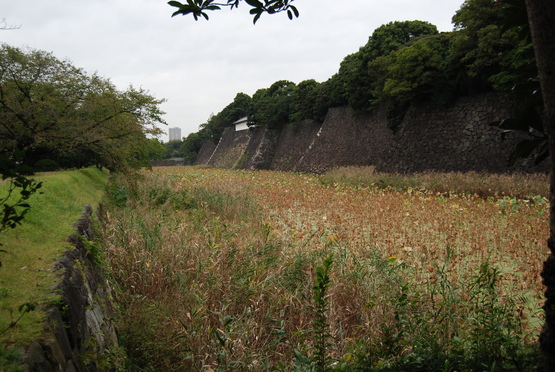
32	248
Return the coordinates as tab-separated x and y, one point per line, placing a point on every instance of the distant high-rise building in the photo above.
175	134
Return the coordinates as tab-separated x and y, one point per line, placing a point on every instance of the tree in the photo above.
541	16
240	107
304	101
173	149
488	45
198	8
192	145
417	70
50	108
271	107
363	90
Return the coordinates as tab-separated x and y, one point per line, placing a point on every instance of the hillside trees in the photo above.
361	88
487	46
271	107
51	109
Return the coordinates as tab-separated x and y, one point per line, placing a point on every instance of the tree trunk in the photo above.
541	15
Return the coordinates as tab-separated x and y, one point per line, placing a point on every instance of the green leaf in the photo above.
176	4
255	4
256	17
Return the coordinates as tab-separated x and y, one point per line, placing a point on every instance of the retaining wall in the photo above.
455	137
79	333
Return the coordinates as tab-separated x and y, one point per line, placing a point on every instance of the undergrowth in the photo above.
207	279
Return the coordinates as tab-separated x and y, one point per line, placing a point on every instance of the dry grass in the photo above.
216	267
520	185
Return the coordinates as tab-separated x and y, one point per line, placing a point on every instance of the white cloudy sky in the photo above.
200	66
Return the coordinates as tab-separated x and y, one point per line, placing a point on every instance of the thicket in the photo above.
402	62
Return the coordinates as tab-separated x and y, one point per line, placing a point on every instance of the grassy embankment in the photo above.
32	248
221	269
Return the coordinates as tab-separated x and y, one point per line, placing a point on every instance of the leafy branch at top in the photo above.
198	8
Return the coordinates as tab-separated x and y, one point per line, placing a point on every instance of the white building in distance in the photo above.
175	134
241	124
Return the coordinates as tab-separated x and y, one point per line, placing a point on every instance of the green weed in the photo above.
322	335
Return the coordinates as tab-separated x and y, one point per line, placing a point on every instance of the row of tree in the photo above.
53	114
402	62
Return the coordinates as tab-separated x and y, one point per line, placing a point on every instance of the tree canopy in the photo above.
51	109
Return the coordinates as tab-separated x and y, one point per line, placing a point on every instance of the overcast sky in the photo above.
200	66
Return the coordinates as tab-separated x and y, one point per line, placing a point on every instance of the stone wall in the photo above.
347	139
260	150
455	137
205	152
231	149
79	333
293	144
